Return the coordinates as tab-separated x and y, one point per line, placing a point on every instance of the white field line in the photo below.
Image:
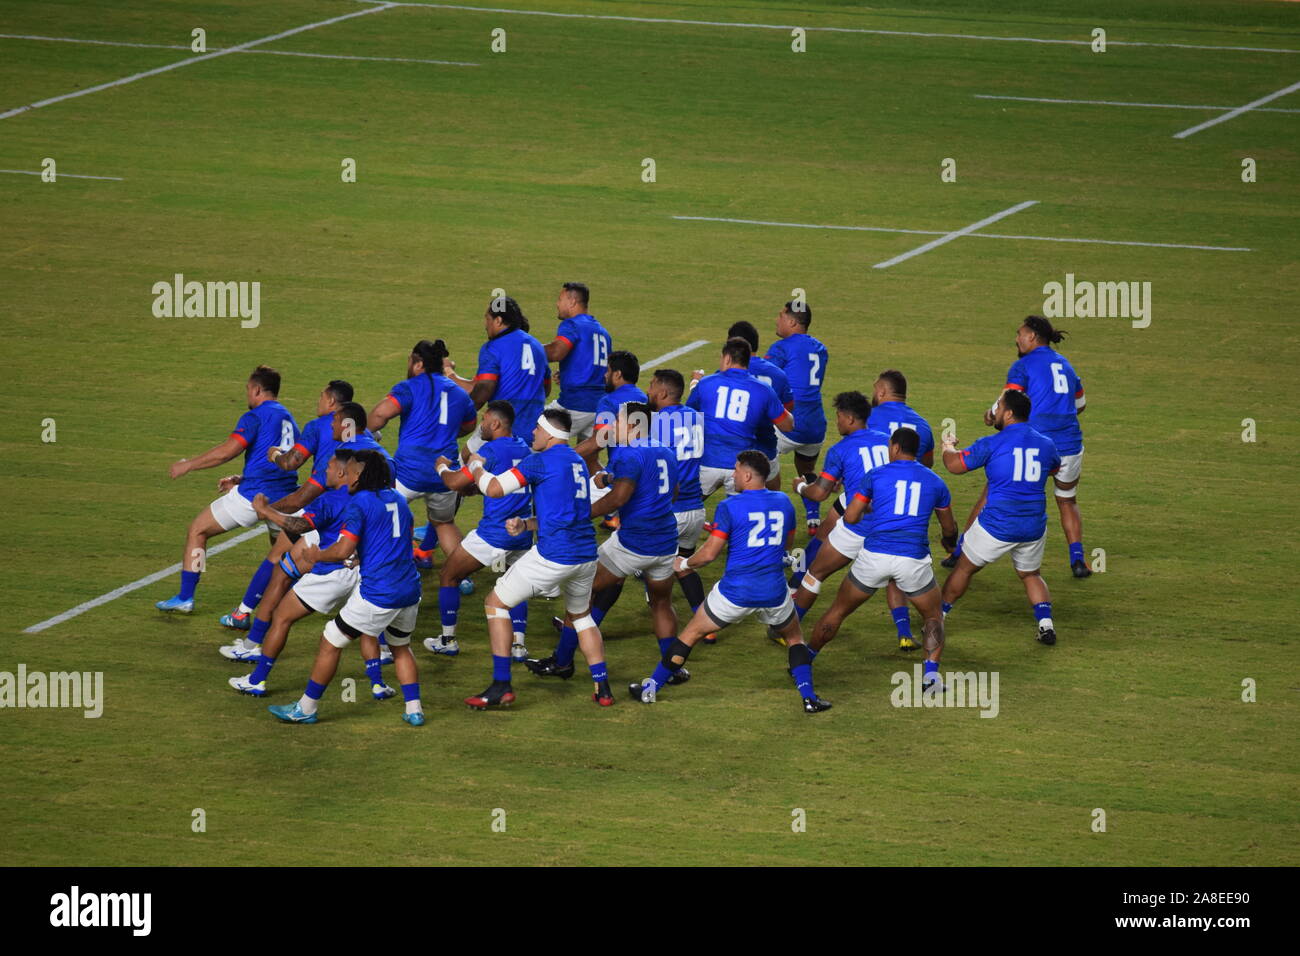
144	582
1159	106
179	46
1236	112
193	59
29	172
956	234
975	235
859	30
675	352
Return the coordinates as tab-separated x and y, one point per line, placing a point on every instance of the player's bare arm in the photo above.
947	528
217	455
383	413
952	457
622	489
557	350
818	490
703	555
294	524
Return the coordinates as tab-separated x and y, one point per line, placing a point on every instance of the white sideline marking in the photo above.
1236	112
1160	106
976	235
193	59
28	172
956	234
779	26
676	352
144	582
179	46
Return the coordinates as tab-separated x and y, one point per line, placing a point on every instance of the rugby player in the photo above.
803	359
890	411
774	377
582	348
681	429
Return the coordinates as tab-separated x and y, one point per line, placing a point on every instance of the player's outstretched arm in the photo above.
338	552
492	486
294	524
217	455
299	498
952	457
383	413
290	460
557	349
857	508
785	422
706	553
621	491
818	490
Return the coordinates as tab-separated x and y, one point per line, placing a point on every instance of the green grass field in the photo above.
525	171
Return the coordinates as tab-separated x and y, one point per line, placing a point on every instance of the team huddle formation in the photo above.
344	542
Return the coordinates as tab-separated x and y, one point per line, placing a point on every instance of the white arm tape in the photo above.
474	442
508	481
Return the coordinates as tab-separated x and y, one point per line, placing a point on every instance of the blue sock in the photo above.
902	621
1076	552
519	618
189	581
801	611
449	605
803	679
946	607
261	578
410	692
599	672
375	671
956	552
262	670
665	643
813	654
598	614
813	509
568	644
430	540
383	641
931	667
660	675
501	668
314	690
257	631
1042	610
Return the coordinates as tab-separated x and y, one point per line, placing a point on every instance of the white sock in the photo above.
307	705
413	707
244	608
449	633
519	638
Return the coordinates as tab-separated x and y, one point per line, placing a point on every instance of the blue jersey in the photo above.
517	363
1055	396
646	522
903	495
889	416
608	406
500	455
733	404
317	443
325	514
804	360
258	429
366	442
682	429
758	526
1017	462
433	410
381	524
582	371
774	377
849	461
559	480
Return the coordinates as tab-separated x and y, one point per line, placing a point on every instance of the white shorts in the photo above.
323	593
371	619
723	612
490	556
774	467
711	479
871	570
582	421
623	562
1071	466
233	510
982	548
784	444
534	576
690	525
846	542
439	505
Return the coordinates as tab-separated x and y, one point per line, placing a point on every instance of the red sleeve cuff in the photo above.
859	495
309	518
345	533
965	456
486	377
239	438
313	481
718	533
567	341
600	425
1014	386
829	477
306	452
780	417
467	473
520	475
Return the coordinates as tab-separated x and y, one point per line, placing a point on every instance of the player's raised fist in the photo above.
440	462
515	526
697	375
178	468
228	482
448	366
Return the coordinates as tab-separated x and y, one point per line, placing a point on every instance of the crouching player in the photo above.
376	527
757	526
901	496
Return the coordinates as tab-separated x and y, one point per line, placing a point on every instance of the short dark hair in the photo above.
626	364
636	413
896	381
510	313
801	312
266	378
559	418
744	330
756	461
1043	329
738	350
502	410
344	455
354	412
431	355
374	470
580	290
853	403
907	440
672	380
341	390
1017	403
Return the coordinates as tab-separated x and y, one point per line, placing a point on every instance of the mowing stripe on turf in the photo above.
116	593
1236	112
193	59
791	26
956	234
974	235
29	172
179	46
1159	106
